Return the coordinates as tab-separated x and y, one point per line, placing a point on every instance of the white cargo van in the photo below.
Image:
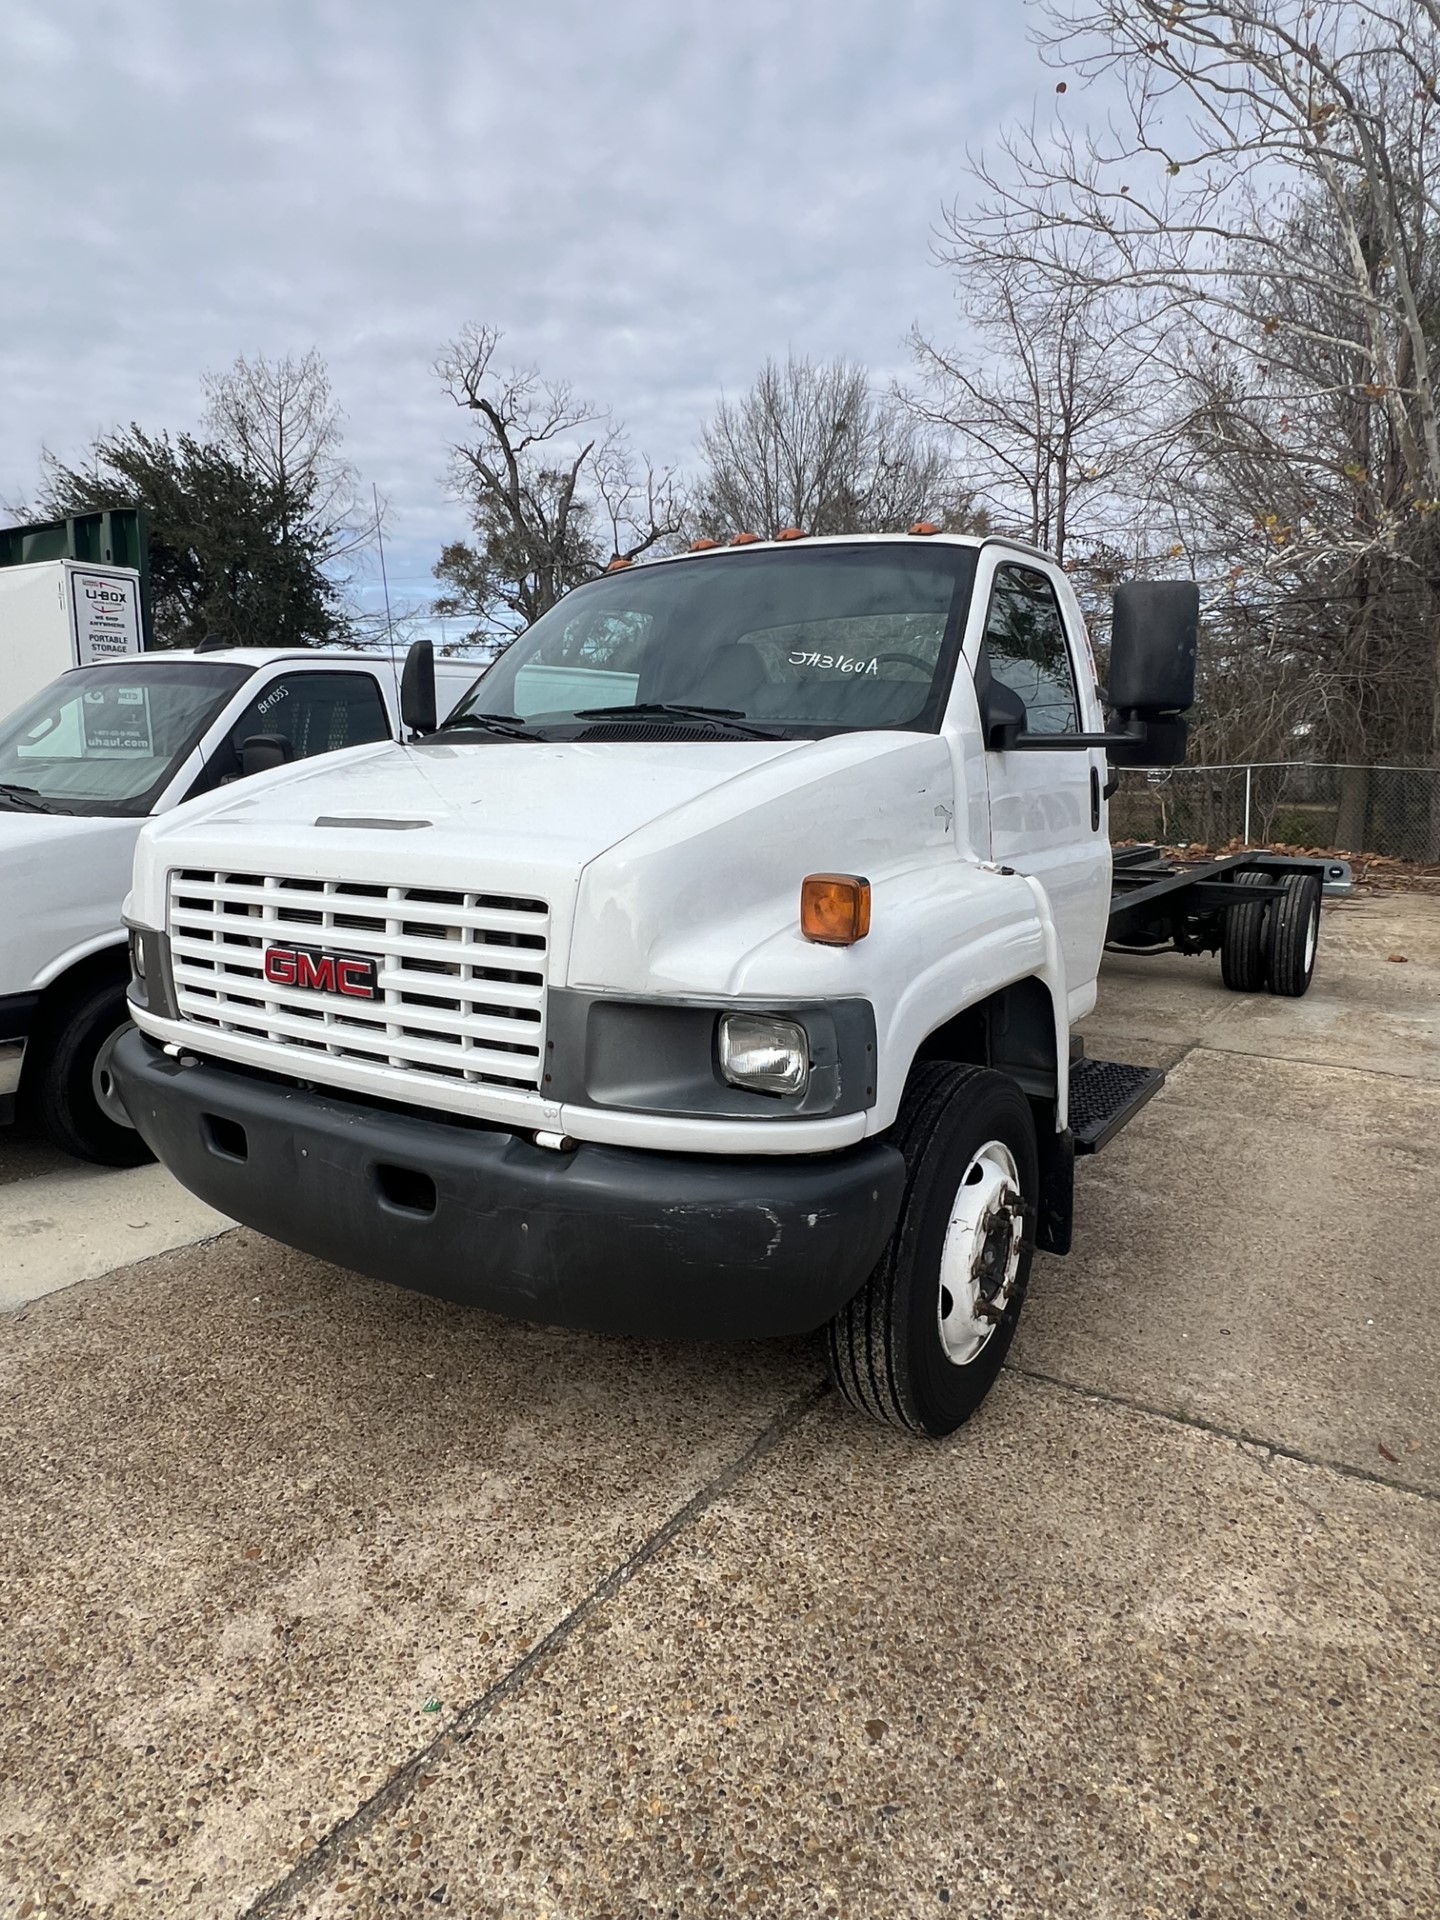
84	761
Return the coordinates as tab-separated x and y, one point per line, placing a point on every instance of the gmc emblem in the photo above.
354	975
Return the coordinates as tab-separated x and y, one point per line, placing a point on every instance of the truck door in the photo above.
310	712
1047	816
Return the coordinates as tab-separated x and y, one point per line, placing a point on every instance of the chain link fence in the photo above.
1299	803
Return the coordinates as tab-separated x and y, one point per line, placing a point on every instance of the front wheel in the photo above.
74	1088
921	1343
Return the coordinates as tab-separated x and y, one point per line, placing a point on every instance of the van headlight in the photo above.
764	1054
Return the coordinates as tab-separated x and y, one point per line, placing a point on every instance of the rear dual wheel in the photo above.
1271	942
920	1345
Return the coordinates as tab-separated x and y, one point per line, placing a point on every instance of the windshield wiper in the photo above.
731	717
26	799
510	725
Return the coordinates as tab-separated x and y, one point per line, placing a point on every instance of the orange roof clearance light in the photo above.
791	533
617	562
834	908
702	546
924	526
745	540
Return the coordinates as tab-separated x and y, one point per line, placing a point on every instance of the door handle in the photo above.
1094	799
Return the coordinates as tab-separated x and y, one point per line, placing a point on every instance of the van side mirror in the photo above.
262	752
417	689
1152	668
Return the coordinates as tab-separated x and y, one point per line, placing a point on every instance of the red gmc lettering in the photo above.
280	966
352	975
315	970
355	977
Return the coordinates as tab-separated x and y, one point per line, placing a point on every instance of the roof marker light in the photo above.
702	546
924	526
791	533
618	562
745	540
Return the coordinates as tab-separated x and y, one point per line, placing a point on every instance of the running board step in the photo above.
1105	1096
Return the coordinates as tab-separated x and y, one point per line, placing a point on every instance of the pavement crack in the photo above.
1275	1449
303	1875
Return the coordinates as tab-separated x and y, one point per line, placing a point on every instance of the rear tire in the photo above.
920	1345
1242	942
1294	936
69	1088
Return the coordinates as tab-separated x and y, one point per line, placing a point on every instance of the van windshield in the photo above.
107	740
827	639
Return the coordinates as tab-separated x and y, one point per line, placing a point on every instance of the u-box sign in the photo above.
107	616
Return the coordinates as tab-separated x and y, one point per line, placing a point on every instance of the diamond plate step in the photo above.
1106	1095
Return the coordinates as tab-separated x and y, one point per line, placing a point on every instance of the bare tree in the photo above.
278	420
1270	186
1051	393
553	489
817	447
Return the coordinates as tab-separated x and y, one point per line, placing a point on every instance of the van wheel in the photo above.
1294	936
1242	940
73	1090
921	1343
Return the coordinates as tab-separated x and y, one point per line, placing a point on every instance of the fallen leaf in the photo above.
1386	1454
1400	959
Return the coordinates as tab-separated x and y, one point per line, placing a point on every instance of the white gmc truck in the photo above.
711	972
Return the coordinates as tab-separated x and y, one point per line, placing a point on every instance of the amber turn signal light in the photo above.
835	908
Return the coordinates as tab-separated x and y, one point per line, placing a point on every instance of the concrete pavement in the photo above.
321	1599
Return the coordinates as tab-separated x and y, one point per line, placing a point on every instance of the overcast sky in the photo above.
647	198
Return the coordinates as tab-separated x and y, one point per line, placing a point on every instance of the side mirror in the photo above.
1152	669
1152	647
263	752
1002	715
417	689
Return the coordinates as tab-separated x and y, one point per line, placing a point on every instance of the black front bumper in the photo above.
613	1239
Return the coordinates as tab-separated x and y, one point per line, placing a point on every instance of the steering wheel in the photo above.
906	660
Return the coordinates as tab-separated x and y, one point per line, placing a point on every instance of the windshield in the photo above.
823	640
106	740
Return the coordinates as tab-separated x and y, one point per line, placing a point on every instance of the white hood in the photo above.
656	836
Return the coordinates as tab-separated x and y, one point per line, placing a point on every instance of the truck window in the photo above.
824	640
1027	650
312	712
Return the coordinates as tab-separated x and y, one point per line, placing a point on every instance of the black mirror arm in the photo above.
1017	740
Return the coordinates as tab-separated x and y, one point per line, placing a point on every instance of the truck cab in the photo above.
84	762
710	972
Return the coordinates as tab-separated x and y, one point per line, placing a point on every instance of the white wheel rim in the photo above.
980	1257
102	1081
1312	937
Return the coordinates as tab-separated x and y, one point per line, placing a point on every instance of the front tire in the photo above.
920	1345
72	1091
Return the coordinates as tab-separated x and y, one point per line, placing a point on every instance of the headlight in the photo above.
770	1056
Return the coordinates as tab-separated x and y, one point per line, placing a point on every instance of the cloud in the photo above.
649	200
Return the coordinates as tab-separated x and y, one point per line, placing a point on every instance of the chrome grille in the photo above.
461	975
